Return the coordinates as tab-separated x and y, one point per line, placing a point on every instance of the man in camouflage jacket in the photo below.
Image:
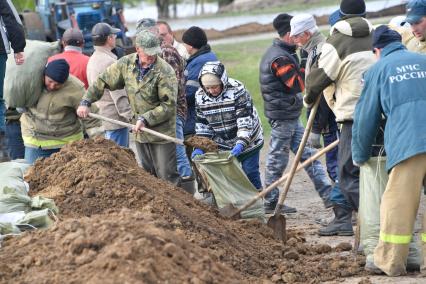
151	85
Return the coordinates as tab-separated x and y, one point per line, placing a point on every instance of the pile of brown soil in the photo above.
97	177
202	143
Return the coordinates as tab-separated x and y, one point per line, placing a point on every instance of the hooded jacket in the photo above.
230	117
396	88
192	70
344	58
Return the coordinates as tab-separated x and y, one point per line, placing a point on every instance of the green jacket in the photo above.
53	121
153	98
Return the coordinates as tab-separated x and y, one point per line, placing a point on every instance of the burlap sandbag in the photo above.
229	183
23	84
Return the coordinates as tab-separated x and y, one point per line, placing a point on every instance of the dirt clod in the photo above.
202	143
343	247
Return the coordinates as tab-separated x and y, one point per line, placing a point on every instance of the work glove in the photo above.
314	140
196	152
237	150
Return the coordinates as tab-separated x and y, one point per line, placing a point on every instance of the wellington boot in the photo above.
341	224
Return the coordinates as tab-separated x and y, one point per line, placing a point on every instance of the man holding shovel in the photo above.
282	83
344	57
151	85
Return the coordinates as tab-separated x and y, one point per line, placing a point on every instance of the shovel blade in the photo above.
230	211
278	224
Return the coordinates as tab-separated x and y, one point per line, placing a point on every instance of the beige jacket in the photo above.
411	42
113	104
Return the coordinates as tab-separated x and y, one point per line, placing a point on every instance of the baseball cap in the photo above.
103	30
73	36
149	42
416	10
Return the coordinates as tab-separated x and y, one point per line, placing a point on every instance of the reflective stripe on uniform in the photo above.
51	144
395	239
424	237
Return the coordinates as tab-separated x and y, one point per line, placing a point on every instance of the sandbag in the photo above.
229	183
372	184
11	175
23	84
39	219
13	201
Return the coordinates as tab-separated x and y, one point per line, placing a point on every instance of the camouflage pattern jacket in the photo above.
153	97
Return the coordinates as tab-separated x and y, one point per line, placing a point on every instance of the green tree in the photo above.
22	5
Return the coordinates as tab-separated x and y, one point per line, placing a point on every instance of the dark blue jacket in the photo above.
394	87
192	70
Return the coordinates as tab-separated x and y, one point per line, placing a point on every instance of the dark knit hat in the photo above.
58	70
352	7
383	35
281	23
195	37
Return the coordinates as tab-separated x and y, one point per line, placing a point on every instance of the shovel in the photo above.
231	212
147	130
277	222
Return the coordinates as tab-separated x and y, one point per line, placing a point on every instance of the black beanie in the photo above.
195	37
58	70
352	7
383	35
282	23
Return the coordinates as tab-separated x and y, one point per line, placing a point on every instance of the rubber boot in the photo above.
341	224
4	156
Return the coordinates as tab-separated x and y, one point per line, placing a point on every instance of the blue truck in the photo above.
52	17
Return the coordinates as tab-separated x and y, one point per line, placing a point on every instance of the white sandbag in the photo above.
23	84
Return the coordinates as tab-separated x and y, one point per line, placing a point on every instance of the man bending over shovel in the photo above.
225	113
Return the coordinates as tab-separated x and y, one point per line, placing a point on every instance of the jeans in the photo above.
337	197
15	144
3	59
250	165
331	156
31	154
183	166
285	136
119	136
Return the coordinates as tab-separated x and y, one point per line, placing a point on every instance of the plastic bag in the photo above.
372	184
40	219
229	183
23	84
11	175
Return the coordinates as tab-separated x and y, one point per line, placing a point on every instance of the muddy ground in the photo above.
118	224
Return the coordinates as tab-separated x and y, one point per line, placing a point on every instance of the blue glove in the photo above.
237	150
196	152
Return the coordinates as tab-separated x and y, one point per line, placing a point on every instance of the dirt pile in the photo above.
94	177
92	250
202	143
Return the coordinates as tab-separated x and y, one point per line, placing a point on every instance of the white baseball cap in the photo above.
301	23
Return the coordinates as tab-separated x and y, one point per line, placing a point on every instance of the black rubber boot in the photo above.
341	224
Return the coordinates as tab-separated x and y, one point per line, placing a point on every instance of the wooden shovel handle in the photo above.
285	176
147	130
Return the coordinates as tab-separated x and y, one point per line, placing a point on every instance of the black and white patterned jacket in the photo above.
230	117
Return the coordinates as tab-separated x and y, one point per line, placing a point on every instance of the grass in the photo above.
241	61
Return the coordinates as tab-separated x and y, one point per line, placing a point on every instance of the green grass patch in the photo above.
241	61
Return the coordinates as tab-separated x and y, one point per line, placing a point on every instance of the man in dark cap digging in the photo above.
281	83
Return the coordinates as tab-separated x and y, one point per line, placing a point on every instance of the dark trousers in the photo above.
159	160
348	173
3	59
15	144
